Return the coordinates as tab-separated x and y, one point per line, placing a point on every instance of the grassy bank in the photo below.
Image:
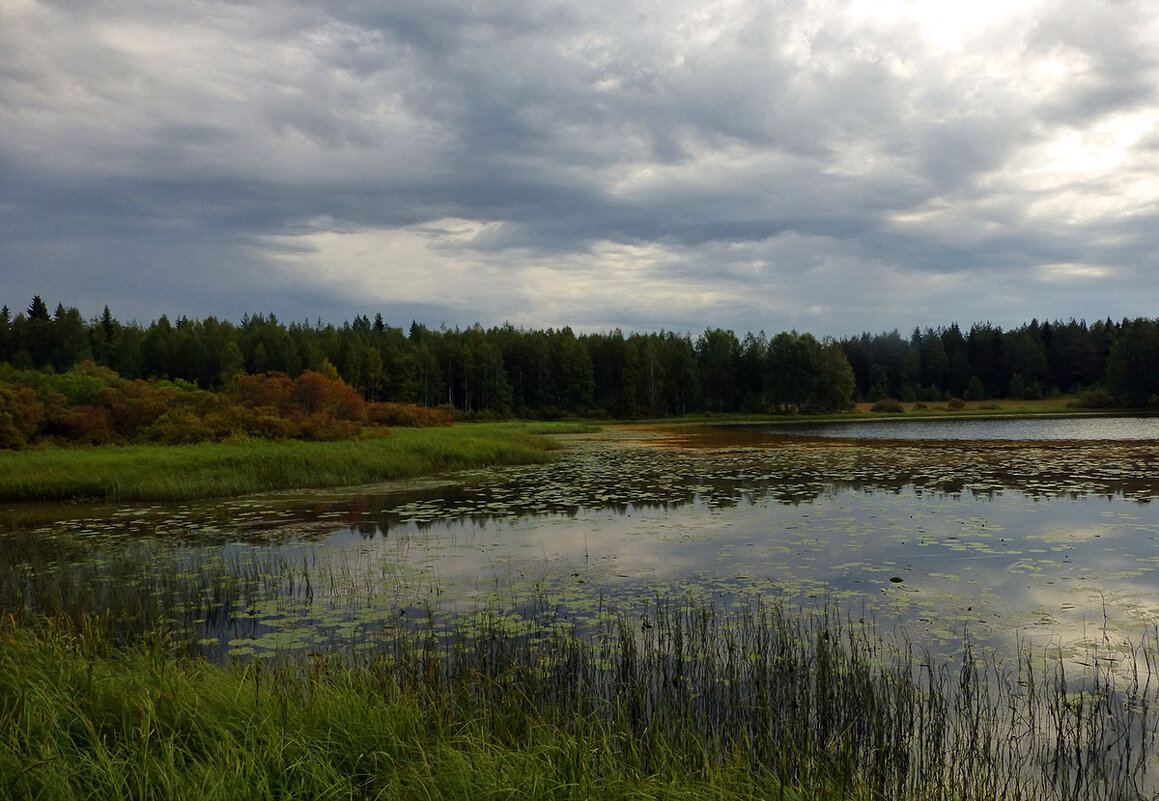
692	704
1053	407
84	722
212	470
990	408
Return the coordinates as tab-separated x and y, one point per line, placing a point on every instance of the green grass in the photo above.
697	704
214	470
81	720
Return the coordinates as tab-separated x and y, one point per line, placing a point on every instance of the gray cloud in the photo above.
826	166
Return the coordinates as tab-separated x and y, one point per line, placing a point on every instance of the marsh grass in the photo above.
212	470
677	700
1069	406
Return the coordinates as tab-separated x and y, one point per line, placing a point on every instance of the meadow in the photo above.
222	469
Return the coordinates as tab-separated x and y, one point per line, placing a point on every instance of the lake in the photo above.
1023	429
999	530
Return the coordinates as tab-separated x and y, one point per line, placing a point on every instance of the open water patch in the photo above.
994	429
988	540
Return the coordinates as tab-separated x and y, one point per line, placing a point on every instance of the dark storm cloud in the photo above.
750	164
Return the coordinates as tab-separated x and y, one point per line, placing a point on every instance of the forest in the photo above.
504	371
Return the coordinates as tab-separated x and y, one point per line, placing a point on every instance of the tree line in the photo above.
503	370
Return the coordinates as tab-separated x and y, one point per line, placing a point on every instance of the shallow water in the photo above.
1053	540
1023	429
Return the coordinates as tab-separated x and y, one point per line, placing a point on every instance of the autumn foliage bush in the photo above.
273	391
96	406
135	405
312	406
407	415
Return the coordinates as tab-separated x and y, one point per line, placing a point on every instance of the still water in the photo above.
1039	429
999	536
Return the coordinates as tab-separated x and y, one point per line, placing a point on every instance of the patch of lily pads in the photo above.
989	541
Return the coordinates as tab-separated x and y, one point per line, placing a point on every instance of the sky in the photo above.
826	166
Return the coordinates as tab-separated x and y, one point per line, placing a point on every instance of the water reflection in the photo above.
997	539
1021	429
944	563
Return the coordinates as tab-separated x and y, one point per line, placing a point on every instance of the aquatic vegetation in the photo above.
678	699
794	521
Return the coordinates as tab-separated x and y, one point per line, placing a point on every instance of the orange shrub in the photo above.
310	391
269	406
91	425
274	390
136	405
406	415
314	393
324	427
85	423
264	422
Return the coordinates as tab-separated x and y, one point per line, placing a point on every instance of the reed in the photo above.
223	469
678	699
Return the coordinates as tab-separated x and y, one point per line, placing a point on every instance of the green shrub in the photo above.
21	416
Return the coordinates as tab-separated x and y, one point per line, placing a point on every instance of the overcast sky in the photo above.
834	167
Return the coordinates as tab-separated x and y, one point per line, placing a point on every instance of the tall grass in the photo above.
85	721
211	470
680	700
